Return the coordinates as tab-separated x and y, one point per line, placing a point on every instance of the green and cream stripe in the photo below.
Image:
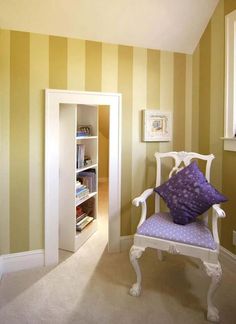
109	68
39	79
29	64
19	140
188	103
167	75
125	86
4	141
139	94
208	111
229	158
146	78
76	64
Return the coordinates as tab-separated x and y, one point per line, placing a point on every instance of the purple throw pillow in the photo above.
188	194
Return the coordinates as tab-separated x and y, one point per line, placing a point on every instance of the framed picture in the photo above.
84	130
157	126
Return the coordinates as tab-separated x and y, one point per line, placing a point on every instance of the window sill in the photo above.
229	143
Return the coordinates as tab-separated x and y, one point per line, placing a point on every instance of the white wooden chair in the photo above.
209	256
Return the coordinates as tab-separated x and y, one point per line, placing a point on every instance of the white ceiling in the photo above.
172	25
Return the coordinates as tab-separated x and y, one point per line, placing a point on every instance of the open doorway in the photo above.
53	100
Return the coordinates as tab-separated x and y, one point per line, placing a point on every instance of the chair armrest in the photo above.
142	200
217	213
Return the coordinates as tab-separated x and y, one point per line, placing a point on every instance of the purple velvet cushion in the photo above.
188	194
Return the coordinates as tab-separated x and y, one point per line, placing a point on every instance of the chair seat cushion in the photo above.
160	225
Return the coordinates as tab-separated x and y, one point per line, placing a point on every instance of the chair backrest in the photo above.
180	159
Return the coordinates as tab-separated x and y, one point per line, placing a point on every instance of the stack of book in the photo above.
81	190
83	222
84	130
88	179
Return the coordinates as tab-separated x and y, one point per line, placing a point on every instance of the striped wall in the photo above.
191	86
29	63
229	176
208	113
19	140
4	140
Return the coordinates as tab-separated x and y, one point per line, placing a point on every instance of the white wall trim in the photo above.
53	99
229	143
230	81
228	258
21	261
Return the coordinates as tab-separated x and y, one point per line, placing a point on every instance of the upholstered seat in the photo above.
184	230
161	225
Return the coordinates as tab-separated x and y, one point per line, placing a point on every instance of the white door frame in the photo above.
53	99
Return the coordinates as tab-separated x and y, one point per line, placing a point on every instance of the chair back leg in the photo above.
214	271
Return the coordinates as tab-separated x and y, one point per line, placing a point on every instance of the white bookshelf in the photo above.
81	200
71	117
86	168
86	137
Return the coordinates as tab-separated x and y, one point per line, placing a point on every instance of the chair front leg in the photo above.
215	272
134	254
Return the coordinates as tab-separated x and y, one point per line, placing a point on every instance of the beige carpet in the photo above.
91	286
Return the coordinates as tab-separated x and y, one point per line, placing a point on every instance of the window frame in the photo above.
230	83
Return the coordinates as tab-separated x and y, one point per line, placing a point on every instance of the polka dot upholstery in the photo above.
161	226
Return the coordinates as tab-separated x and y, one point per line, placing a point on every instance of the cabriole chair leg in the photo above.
215	272
134	254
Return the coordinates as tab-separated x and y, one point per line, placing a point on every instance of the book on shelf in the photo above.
78	184
83	223
79	212
80	153
88	206
82	194
88	179
84	130
81	188
81	191
82	134
80	218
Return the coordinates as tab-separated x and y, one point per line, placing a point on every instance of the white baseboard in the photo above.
21	261
228	258
126	242
31	259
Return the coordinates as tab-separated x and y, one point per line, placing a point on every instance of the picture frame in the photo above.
157	125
